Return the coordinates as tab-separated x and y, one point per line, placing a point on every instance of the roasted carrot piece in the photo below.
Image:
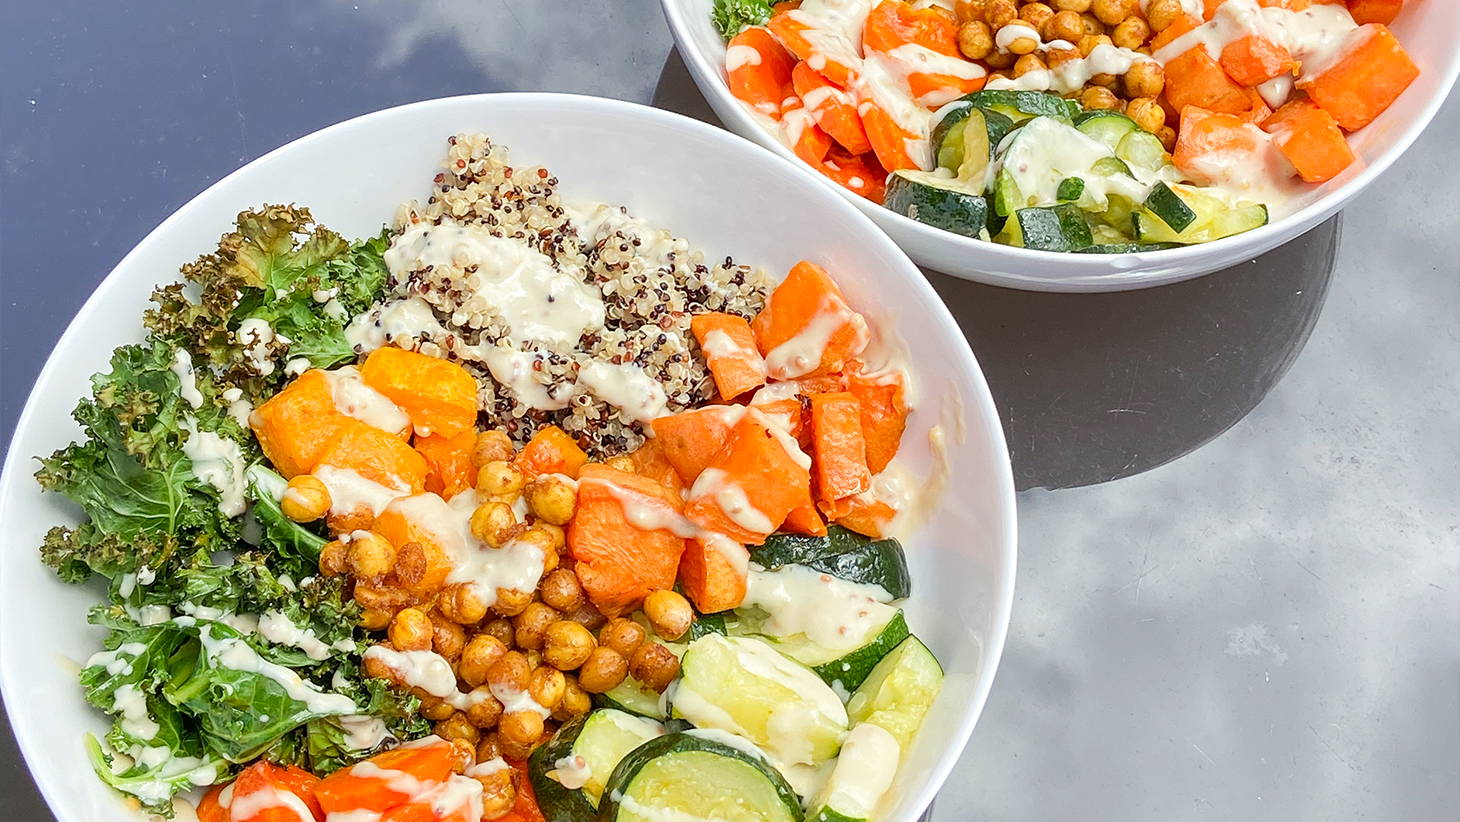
1310	139
455	800
751	484
291	792
1253	60
787	413
892	24
621	555
1193	78
358	788
377	456
759	71
865	516
208	809
691	439
808	141
838	452
423	571
832	108
550	451
805	519
448	462
1208	138
1259	110
1374	11
711	580
839	65
297	425
438	396
884	416
651	461
806	328
889	140
789	5
1178	27
730	352
862	175
1373	72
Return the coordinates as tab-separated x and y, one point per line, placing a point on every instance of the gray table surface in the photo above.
1265	628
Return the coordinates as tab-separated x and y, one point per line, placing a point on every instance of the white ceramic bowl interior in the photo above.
722	193
1428	29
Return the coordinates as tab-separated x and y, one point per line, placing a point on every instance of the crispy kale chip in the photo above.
730	16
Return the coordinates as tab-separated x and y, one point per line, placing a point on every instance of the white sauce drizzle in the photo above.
349	490
830	612
627	387
218	462
354	398
182	366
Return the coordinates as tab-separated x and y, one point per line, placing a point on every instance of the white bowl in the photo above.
722	193
1428	31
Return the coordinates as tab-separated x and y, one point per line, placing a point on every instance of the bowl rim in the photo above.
1101	277
976	392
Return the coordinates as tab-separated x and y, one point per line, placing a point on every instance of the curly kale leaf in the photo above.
332	741
730	16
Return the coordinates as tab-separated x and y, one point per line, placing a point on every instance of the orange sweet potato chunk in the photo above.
651	461
1373	72
1193	78
838	451
266	777
884	416
865	516
410	520
618	562
691	439
708	577
297	425
756	464
448	462
805	519
1310	139
344	790
378	456
806	327
550	451
730	352
438	396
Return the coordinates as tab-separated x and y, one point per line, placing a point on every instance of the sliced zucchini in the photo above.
1109	127
899	691
1151	229
1023	105
842	670
1070	189
1169	208
861	775
1007	197
1142	148
941	202
746	687
966	140
569	772
706	624
685	777
1124	248
844	554
631	697
1052	228
1107	166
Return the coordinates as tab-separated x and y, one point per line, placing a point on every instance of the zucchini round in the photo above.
1023	105
941	202
898	693
588	747
1108	127
842	670
862	774
1052	228
684	777
844	554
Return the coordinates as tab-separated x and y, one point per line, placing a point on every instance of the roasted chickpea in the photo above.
373	620
1097	97
522	727
1028	63
456	726
588	616
1160	14
511	749
1167	136
499	479
551	500
435	709
377	596
1000	59
334	558
1092	24
359	518
491	522
411	564
1089	42
370	555
1056	57
1036	15
485	710
669	613
1001	13
511	602
975	40
1021	46
1145	78
1107	81
463	755
560	537
1112	12
461	604
1131	33
622	636
547	686
965	11
654	665
1147	113
478	657
447	637
489	748
509	674
531	625
1076	6
499	794
377	668
306	499
576	701
491	446
501	628
1064	26
411	630
540	538
562	590
568	645
603	671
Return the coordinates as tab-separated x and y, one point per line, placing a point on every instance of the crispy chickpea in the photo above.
501	628
568	645
334	558
531	625
541	539
604	670
499	794
1056	57
1028	63
1160	14
1112	12
447	638
1001	13
499	479
478	657
376	668
491	521
461	604
486	709
1106	81
306	499
654	665
373	620
456	726
1145	78
491	446
1036	15
370	555
1076	6
1092	24
509	674
589	617
1064	26
377	596
1167	136
511	749
489	748
576	701
1021	46
560	537
411	630
522	727
562	590
359	518
1131	33
965	11
1000	59
1089	42
622	636
511	602
669	613
534	659
975	40
1098	97
434	709
547	686
463	755
551	500
1147	113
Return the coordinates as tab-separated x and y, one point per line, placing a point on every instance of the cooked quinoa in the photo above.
649	281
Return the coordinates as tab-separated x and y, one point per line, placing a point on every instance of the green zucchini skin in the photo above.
953	210
1168	206
623	775
829	815
1124	248
1022	105
1054	228
557	803
852	670
842	553
706	624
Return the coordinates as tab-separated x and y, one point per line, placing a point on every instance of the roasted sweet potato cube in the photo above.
376	455
413	525
690	439
806	327
550	451
714	581
884	415
438	396
621	537
448	462
730	352
838	451
1373	72
297	425
751	484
